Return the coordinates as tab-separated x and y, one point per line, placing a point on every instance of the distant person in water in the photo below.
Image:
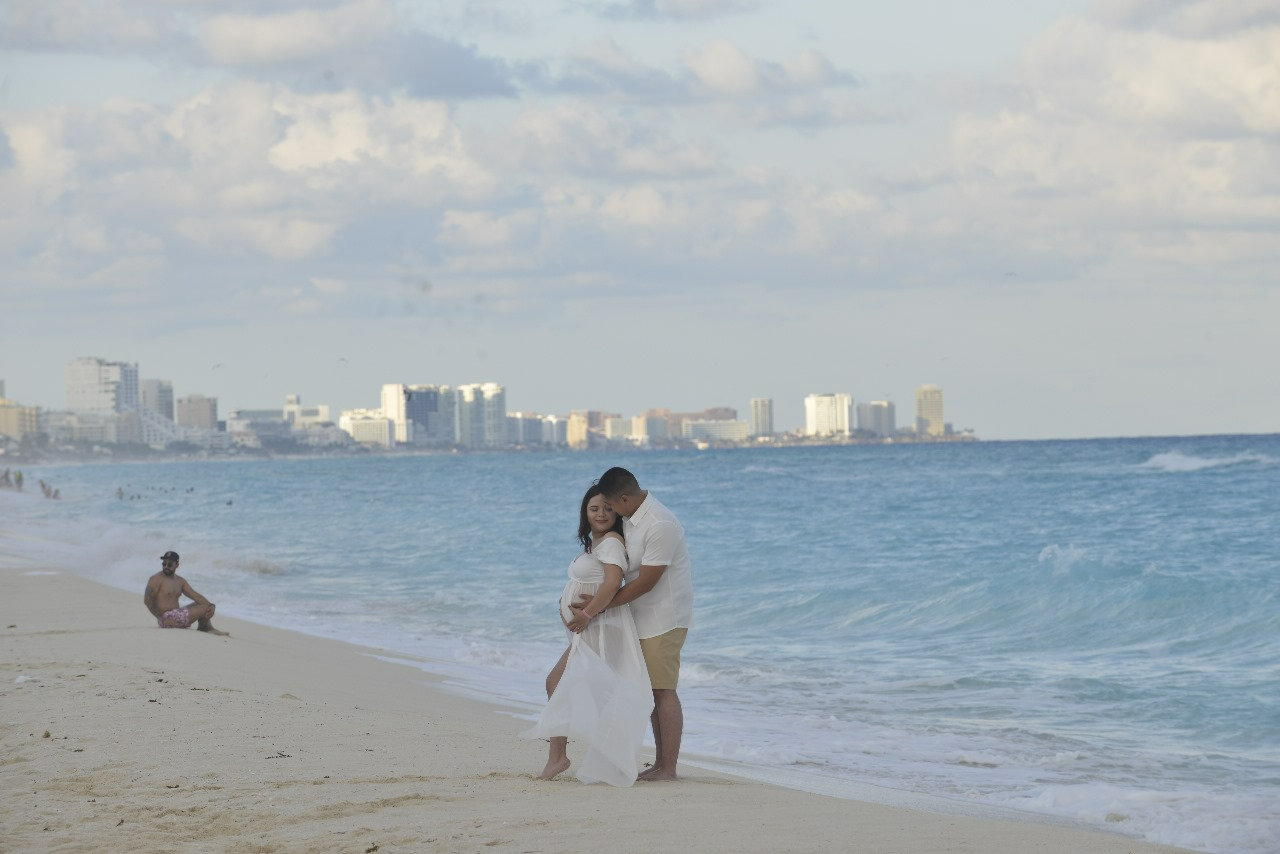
163	598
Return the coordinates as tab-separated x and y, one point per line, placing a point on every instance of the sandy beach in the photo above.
119	736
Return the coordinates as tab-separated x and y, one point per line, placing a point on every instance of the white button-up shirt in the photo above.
655	538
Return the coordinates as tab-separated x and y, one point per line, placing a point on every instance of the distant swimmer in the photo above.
163	598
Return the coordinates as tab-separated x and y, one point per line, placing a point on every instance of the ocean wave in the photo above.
1175	462
251	566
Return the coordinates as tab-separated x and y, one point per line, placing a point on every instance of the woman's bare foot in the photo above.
555	767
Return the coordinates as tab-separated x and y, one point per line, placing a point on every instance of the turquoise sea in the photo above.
1082	629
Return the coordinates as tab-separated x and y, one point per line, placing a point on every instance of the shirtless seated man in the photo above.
163	597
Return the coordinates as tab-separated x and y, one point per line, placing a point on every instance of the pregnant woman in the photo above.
598	693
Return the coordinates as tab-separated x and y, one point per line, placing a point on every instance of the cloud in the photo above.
581	138
289	37
1132	147
605	68
242	176
363	44
1188	18
1115	148
720	80
274	236
106	26
675	9
6	150
484	231
367	44
328	286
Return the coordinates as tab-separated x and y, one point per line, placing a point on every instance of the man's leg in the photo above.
657	739
668	727
202	615
662	658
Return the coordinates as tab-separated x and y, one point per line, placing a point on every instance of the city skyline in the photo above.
100	386
1060	211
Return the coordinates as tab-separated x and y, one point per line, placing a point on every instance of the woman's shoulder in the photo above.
609	540
610	545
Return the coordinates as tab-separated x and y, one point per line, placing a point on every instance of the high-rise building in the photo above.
578	430
394	406
828	414
647	429
554	431
929	420
877	417
482	415
526	428
617	428
196	410
97	386
423	414
157	396
761	416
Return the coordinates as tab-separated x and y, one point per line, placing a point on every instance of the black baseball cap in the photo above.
169	556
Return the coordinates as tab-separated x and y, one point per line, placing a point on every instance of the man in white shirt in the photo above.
659	589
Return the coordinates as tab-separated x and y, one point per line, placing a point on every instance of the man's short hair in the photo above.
618	481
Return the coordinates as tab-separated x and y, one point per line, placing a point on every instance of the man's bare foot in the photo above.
554	768
654	774
211	630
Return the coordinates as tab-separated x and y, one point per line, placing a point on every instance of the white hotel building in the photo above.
828	414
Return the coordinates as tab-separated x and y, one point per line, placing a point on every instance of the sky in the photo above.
1065	214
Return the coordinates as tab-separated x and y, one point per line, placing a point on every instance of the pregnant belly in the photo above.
571	594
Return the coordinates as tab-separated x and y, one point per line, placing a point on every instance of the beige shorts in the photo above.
662	657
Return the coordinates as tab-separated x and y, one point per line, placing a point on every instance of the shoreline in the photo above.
272	740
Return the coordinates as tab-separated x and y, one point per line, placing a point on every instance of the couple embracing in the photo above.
623	661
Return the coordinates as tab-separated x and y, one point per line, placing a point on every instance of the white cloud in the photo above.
1132	145
349	130
303	34
106	25
1223	84
719	81
581	138
279	237
724	69
1189	18
332	287
677	9
638	207
242	173
480	230
44	166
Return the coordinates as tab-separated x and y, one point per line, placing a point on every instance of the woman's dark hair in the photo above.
584	527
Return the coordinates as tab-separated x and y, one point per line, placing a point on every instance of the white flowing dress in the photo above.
604	698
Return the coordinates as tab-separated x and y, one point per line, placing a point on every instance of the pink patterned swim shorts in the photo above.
178	618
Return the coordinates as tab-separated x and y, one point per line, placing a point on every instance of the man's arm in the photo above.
644	582
190	593
149	598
